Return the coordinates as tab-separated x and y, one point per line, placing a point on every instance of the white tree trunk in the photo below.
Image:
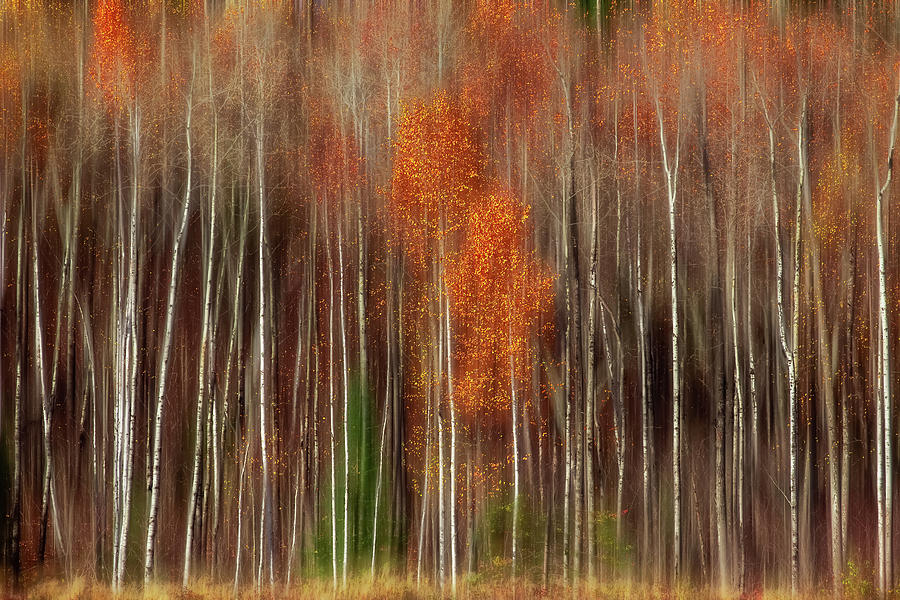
792	371
127	368
425	470
885	474
48	496
21	276
202	380
567	485
164	360
645	406
786	344
266	513
671	173
452	448
240	519
233	336
738	450
345	385
384	420
331	401
515	440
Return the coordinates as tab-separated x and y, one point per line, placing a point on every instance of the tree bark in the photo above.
671	173
884	365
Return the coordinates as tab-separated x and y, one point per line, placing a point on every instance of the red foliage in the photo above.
10	100
513	69
114	54
438	168
335	165
497	292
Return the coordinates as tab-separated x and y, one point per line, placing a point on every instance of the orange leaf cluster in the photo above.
515	69
10	94
114	54
497	288
438	166
497	292
336	166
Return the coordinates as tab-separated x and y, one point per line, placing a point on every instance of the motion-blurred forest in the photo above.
441	293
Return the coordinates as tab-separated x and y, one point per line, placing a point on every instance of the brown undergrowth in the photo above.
397	588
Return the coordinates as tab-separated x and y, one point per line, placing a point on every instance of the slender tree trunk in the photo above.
590	363
425	469
48	492
619	419
641	315
331	377
346	385
826	385
126	349
718	364
265	508
751	366
515	440
786	342
164	360
240	518
567	485
437	358
619	379
646	432
738	452
671	173
202	382
848	387
235	314
579	424
20	333
453	468
884	375
792	369
384	420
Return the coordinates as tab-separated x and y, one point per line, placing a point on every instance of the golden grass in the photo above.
402	589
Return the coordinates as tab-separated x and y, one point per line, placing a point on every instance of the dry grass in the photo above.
401	589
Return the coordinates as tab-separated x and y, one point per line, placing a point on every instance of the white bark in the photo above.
48	495
567	485
21	276
618	416
266	513
235	313
331	401
346	385
384	420
126	350
164	359
645	403
453	566
787	345
671	173
792	371
202	377
738	450
240	519
515	440
425	469
885	471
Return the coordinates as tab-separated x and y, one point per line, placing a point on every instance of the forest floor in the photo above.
391	588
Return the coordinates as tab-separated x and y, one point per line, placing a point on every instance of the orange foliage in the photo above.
10	93
114	54
497	292
514	64
438	166
335	163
